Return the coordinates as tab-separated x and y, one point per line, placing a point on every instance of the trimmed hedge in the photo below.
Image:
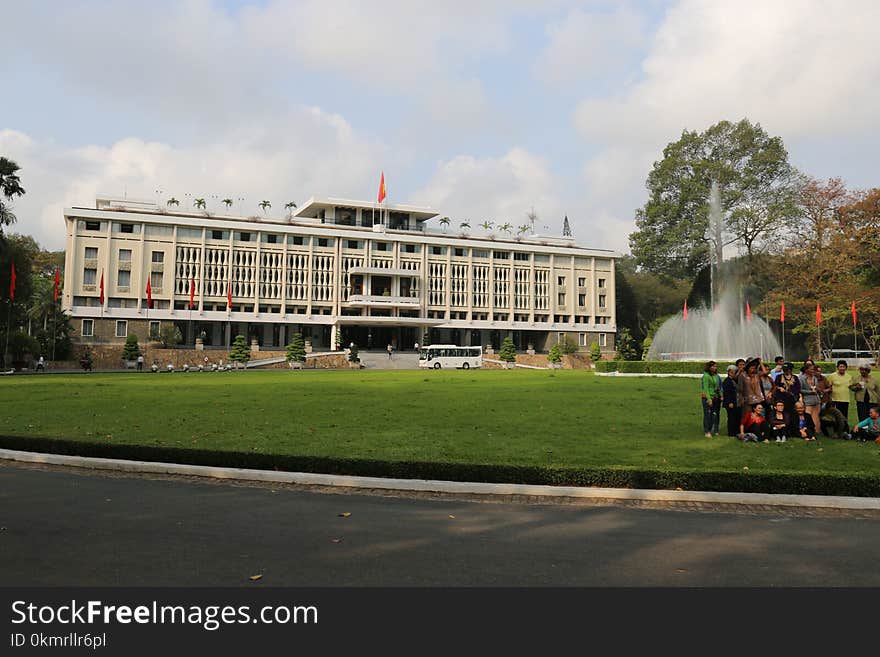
737	481
680	367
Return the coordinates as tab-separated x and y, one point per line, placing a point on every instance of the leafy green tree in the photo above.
595	352
170	335
555	354
756	189
353	354
131	350
265	205
228	203
508	350
22	345
568	345
240	352
10	185
199	203
296	350
646	347
627	349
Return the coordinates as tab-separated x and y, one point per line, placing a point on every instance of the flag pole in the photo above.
8	329
783	338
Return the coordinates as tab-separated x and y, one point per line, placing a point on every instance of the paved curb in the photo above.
425	485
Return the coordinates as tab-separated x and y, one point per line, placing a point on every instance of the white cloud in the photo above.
587	43
309	152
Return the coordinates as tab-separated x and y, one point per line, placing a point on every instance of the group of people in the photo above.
766	404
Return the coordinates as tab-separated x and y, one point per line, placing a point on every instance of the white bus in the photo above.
439	356
852	357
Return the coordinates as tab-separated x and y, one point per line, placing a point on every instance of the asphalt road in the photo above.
74	528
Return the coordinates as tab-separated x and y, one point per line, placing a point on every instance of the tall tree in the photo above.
754	176
10	186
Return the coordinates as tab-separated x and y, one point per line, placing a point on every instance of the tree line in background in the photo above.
783	237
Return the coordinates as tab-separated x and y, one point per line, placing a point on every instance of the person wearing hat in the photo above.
787	388
867	392
748	386
730	401
710	395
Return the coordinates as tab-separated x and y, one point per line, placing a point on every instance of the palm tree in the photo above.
290	206
523	229
265	205
444	221
199	203
465	226
487	225
172	201
227	202
10	185
505	228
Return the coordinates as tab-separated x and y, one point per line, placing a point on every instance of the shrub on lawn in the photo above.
296	350
555	354
595	352
131	350
240	352
508	350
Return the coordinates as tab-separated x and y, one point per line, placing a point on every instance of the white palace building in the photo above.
335	270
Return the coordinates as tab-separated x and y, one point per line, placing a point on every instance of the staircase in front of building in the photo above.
378	360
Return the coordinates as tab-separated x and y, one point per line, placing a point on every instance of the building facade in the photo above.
337	271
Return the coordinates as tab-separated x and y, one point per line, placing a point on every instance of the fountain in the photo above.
719	332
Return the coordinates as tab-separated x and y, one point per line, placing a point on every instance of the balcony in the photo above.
381	271
381	301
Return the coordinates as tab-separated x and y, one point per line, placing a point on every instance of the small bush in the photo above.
296	350
508	350
169	335
240	352
555	354
568	345
595	352
131	350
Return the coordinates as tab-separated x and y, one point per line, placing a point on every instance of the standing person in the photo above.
811	394
776	372
766	384
140	363
416	347
748	386
730	401
867	391
840	382
41	365
787	388
390	349
710	395
740	366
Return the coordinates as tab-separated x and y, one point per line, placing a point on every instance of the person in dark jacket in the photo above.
730	401
779	422
787	388
802	423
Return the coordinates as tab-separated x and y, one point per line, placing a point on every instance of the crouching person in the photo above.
869	428
753	426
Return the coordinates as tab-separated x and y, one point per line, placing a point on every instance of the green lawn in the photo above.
566	419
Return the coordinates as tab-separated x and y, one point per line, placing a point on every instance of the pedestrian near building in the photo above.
390	349
140	363
41	365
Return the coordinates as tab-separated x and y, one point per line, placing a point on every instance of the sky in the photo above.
482	110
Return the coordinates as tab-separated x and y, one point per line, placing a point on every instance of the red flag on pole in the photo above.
684	312
818	314
782	313
852	311
748	312
192	292
149	294
229	296
57	282
382	188
12	284
101	296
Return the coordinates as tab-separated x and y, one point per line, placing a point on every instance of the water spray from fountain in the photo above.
718	332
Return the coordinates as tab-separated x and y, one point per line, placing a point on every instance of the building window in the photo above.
297	240
93	225
582	299
90	276
560	281
91	252
601	320
323	241
601	282
216	234
154	329
126	228
461	253
601	300
561	299
352	244
158	256
582	282
410	248
582	339
603	340
121	328
501	255
123	278
382	246
437	250
88	328
244	237
480	254
271	239
521	256
156	280
124	255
